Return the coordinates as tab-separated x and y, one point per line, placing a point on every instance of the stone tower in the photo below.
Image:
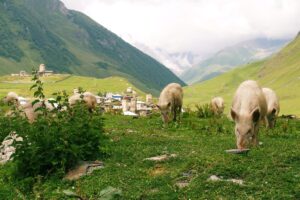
42	68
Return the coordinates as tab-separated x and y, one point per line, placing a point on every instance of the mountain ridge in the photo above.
68	41
233	56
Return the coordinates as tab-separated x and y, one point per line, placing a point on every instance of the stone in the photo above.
182	184
83	169
161	157
216	178
237	181
6	148
237	151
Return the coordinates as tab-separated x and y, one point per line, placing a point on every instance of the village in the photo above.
127	102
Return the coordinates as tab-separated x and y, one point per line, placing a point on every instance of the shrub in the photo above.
204	111
56	141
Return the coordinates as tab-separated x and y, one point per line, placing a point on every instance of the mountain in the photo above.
67	41
177	62
232	57
281	72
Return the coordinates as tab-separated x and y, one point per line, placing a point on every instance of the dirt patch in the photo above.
157	171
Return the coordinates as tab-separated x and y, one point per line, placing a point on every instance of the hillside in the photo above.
65	82
231	57
281	72
67	41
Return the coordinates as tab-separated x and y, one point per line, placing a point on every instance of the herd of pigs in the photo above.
251	105
29	109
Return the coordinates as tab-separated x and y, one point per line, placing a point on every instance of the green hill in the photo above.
67	41
280	72
65	82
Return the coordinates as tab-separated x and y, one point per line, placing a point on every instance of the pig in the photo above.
272	105
249	108
89	99
28	110
217	105
11	97
170	100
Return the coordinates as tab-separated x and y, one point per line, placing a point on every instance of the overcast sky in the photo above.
200	26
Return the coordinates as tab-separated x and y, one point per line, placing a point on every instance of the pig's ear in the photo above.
233	114
255	115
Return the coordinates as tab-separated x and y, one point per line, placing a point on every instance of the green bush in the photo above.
56	141
204	111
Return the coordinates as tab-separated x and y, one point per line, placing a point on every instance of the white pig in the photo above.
217	105
273	106
249	108
170	100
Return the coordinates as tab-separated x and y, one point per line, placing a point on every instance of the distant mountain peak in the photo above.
233	56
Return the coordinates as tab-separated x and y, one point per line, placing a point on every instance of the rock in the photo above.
216	178
237	181
182	184
161	157
6	148
71	194
84	168
186	178
238	151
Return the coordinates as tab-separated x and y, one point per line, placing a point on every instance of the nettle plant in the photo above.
204	111
56	141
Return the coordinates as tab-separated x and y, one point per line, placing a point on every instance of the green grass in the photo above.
269	172
55	83
280	72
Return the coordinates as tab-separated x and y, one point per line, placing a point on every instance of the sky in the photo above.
199	26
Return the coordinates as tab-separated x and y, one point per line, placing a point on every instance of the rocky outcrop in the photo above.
7	149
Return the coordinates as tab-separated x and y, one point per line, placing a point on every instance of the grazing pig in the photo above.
11	97
27	108
217	105
170	100
89	99
249	107
272	105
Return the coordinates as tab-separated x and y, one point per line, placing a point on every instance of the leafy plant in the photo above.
56	141
204	111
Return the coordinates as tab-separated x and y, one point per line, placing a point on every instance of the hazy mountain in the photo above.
231	57
177	62
67	41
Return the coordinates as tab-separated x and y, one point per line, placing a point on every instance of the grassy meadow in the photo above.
270	171
55	83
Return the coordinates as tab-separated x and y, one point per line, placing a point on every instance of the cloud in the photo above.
200	26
